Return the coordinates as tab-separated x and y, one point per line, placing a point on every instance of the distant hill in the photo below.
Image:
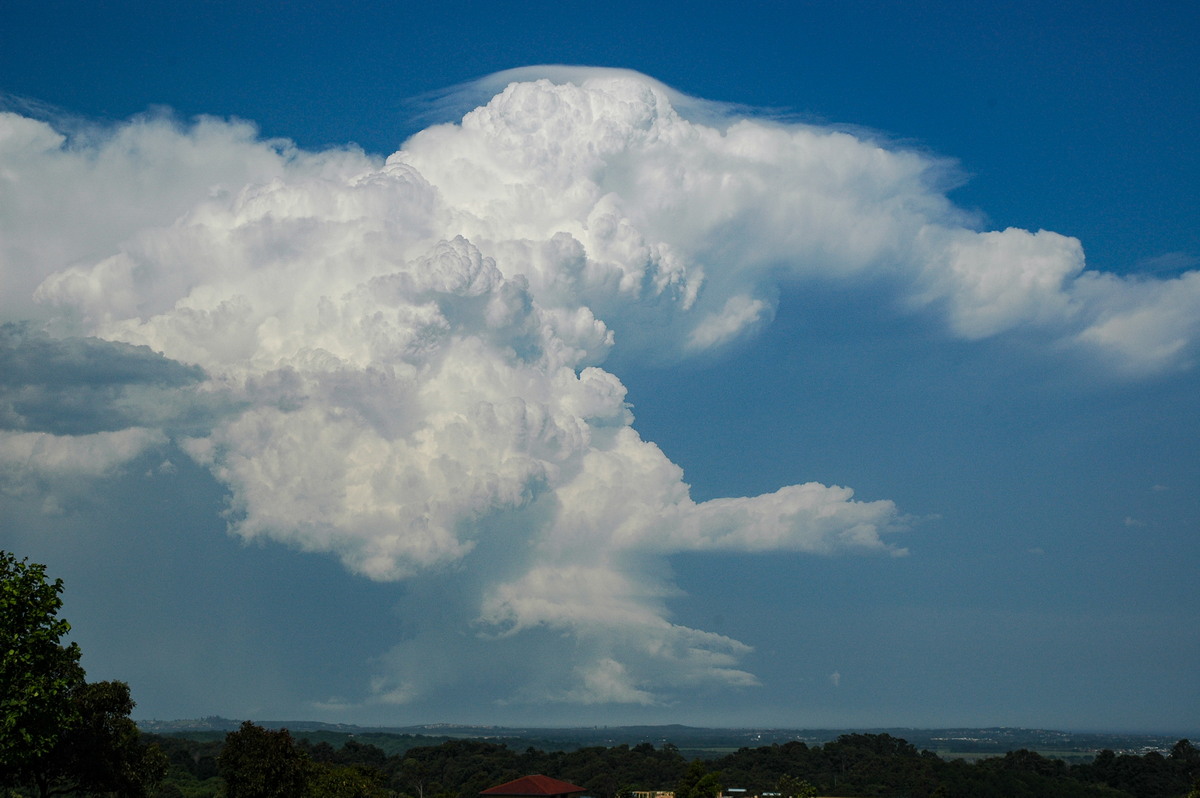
699	740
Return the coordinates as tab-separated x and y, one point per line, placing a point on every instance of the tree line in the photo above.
852	765
61	735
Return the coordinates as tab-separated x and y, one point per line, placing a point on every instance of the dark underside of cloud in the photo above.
80	386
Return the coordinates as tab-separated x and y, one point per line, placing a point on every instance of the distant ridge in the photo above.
217	723
983	740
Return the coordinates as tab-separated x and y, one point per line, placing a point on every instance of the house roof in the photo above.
534	785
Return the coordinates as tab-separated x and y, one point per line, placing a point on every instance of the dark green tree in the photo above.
698	782
1184	754
411	775
58	734
261	763
103	752
38	674
792	787
327	780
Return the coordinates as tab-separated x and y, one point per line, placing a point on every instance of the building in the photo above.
537	786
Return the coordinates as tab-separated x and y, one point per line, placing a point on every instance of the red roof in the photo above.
534	785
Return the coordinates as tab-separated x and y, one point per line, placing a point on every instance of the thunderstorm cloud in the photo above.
401	361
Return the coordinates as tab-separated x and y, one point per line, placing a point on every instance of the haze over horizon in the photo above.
358	382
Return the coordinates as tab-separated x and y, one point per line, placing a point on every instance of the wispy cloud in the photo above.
1168	263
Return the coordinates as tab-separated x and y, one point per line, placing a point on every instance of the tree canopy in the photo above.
38	673
264	763
852	765
60	734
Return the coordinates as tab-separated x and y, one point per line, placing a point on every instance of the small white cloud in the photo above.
28	455
992	282
1133	522
608	682
740	314
396	695
1145	325
334	706
835	679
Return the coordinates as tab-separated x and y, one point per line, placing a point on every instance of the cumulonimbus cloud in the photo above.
407	348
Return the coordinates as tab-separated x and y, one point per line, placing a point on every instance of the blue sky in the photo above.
548	418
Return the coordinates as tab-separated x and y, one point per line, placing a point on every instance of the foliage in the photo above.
260	763
103	751
698	782
344	781
1149	776
852	765
60	735
38	674
792	787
